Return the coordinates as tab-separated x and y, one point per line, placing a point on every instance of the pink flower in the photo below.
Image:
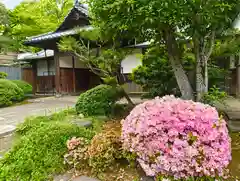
177	138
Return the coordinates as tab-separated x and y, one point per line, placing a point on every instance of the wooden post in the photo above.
73	73
34	70
238	75
57	72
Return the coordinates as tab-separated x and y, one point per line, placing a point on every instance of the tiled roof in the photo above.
38	55
83	8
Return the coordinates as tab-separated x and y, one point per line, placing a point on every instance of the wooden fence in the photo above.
14	73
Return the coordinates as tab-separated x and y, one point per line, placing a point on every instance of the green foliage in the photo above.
98	101
121	110
137	17
31	18
214	95
169	22
157	78
156	75
3	14
9	93
3	75
26	87
39	152
32	123
216	75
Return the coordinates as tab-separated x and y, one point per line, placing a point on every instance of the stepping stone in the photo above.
84	178
6	129
102	118
83	122
145	178
64	177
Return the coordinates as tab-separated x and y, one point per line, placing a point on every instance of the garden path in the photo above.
231	107
11	116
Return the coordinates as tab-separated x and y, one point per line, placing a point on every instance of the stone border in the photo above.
6	130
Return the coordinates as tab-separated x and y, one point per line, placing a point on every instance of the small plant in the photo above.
100	154
98	101
104	150
214	95
26	87
9	93
3	75
77	156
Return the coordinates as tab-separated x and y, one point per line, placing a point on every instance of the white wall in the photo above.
66	62
237	23
131	62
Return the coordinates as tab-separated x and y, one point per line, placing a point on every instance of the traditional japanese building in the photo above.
60	72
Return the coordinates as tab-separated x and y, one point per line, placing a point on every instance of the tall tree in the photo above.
4	20
170	21
32	18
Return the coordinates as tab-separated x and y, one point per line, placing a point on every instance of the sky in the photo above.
10	4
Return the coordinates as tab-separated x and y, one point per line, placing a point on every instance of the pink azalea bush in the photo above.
177	138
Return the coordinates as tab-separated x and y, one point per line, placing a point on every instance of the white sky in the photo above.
10	4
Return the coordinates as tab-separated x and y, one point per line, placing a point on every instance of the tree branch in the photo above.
212	40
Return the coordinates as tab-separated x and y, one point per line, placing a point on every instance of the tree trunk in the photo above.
205	75
200	81
180	74
128	98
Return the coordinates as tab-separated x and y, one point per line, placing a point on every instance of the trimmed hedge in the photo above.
9	93
26	87
98	101
3	75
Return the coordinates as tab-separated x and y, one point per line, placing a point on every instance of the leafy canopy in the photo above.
32	18
191	17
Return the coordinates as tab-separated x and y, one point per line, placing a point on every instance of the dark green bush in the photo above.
26	87
39	153
156	75
3	75
9	93
98	101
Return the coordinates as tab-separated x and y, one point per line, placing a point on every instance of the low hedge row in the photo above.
12	90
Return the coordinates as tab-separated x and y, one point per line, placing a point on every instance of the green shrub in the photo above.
39	153
98	101
26	87
213	96
3	75
9	93
104	150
